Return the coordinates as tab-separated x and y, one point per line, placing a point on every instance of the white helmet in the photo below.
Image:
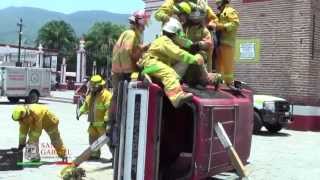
172	26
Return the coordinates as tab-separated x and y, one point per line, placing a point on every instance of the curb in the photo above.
57	99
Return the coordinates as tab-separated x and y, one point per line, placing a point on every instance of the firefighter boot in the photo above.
181	99
215	79
32	152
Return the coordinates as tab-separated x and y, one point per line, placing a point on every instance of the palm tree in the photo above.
58	35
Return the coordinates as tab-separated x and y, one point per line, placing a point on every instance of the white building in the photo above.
37	57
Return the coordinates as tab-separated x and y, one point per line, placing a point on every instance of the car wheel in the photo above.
32	98
274	128
257	122
13	99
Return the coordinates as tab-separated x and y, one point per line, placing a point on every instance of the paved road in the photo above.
74	135
65	96
289	155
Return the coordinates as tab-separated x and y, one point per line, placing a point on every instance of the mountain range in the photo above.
35	18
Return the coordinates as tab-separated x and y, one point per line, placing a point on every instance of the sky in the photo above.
70	6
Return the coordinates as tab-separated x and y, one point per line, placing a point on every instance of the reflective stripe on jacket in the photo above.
100	104
123	50
163	49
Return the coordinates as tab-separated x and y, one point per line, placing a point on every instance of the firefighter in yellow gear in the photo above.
227	29
167	10
33	119
126	52
197	32
97	105
182	11
128	48
162	55
200	35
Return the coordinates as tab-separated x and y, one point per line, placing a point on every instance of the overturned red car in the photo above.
160	142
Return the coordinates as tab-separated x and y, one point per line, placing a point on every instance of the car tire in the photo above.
13	100
257	122
273	128
32	98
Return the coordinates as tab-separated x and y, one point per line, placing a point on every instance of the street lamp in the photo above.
18	63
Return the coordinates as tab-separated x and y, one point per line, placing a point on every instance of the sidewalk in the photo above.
65	96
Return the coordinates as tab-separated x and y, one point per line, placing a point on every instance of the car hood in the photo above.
259	99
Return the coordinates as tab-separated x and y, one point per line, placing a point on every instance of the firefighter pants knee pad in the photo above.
196	74
181	68
169	78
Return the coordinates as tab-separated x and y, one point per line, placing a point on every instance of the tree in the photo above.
99	44
58	35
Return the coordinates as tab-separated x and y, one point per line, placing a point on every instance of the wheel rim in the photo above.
34	97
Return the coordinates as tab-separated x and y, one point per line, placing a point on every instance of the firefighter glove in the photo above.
200	60
212	26
195	47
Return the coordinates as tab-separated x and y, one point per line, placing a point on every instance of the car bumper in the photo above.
283	118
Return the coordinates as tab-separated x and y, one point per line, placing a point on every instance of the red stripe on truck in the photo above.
305	123
17	88
305	118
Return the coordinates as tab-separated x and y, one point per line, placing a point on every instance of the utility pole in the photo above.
18	63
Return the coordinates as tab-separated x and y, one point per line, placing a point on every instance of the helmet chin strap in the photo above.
97	90
221	6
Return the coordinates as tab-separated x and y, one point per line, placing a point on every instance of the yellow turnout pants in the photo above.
225	63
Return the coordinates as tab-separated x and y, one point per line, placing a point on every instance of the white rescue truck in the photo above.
26	83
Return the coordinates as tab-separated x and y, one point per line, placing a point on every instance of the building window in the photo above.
249	1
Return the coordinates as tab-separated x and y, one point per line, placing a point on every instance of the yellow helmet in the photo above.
97	80
184	8
19	112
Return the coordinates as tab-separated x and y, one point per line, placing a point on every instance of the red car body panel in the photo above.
183	140
210	156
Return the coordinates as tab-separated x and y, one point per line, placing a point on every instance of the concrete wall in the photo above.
289	34
316	43
286	67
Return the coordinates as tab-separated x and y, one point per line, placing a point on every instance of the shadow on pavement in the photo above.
267	133
102	160
99	169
